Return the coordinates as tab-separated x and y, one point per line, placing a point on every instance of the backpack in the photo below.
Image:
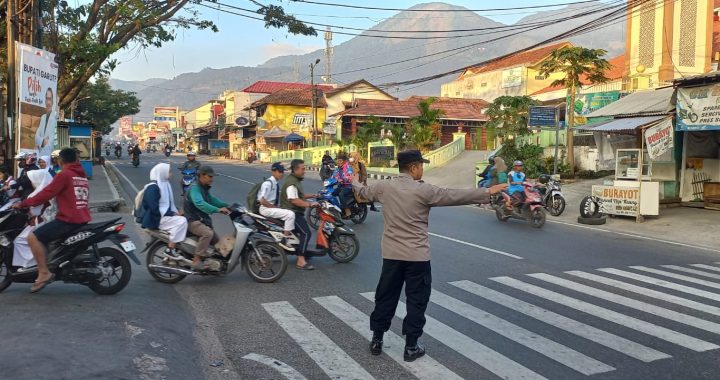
251	201
139	210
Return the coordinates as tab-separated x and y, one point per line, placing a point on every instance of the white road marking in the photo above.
708	267
132	186
648	292
236	178
290	373
604	338
610	315
546	347
662	283
693	271
331	358
678	276
425	368
475	246
487	358
672	315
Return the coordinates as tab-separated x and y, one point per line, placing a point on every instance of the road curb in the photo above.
112	176
112	205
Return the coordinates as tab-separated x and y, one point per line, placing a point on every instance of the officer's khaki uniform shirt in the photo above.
406	208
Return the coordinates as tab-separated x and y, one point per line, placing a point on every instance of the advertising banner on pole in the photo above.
659	139
37	91
126	125
698	108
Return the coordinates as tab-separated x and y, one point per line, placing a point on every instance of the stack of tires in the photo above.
590	212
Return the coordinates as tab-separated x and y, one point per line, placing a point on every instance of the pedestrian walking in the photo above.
405	245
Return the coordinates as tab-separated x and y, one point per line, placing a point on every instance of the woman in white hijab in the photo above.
39	215
159	205
45	163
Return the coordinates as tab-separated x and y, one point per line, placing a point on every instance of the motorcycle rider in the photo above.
118	150
293	198
71	190
23	185
135	152
160	210
199	206
191	163
516	178
327	163
498	174
270	201
485	175
343	176
168	148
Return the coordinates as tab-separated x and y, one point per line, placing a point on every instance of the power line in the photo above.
439	10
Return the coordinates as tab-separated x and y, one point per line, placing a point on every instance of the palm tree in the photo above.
367	133
398	137
425	128
575	63
510	114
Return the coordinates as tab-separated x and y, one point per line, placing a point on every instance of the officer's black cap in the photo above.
408	157
277	167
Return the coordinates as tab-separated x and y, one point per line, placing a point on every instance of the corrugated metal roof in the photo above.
644	103
622	124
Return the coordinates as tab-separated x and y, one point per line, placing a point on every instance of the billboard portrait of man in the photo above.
45	133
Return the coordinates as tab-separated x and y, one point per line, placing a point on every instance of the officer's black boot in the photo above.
412	349
376	343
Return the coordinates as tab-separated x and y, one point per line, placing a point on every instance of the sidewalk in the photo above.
103	194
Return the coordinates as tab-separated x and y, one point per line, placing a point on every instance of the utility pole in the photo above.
11	96
328	55
314	99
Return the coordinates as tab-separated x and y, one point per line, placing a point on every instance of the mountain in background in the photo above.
193	89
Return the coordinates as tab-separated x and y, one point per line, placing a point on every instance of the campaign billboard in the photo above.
37	92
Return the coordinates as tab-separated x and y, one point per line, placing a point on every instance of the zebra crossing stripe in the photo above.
610	315
676	276
426	368
663	283
604	338
551	349
487	358
708	267
649	292
672	315
693	271
331	358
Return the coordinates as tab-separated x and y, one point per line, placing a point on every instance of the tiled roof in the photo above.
530	57
479	103
455	109
615	73
292	97
353	84
268	87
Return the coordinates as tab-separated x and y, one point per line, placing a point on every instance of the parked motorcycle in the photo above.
256	251
531	209
76	259
552	195
188	177
358	210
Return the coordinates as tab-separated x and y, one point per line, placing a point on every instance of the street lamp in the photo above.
314	99
73	105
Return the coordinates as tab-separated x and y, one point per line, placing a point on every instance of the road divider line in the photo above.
538	343
427	368
593	334
645	307
124	177
659	332
662	283
236	178
482	355
476	246
648	292
328	355
290	373
676	276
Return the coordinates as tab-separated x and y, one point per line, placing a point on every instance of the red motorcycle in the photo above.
531	209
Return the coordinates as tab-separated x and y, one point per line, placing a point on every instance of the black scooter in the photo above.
76	259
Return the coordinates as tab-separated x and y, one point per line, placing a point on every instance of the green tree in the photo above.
425	128
575	63
367	133
398	137
86	34
103	106
509	115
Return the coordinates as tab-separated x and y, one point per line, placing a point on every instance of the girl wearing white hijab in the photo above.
39	215
159	205
45	163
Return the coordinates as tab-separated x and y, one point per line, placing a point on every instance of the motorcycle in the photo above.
254	250
136	160
188	177
531	209
118	153
167	152
552	195
77	259
358	210
107	152
250	157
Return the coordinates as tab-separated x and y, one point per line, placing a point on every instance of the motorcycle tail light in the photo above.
119	227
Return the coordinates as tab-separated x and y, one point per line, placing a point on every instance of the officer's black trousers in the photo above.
418	280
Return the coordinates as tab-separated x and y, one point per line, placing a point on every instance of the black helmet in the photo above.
544	178
491	160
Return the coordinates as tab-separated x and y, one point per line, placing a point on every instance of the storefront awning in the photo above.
622	124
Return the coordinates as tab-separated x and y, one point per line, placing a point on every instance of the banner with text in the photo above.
617	200
698	108
37	90
659	138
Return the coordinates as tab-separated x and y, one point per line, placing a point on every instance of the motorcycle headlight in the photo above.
4	241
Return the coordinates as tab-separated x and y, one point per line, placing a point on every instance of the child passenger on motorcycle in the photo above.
516	178
160	210
343	176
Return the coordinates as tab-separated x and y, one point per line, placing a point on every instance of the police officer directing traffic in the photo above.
406	204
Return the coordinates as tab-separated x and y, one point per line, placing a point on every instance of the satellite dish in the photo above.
242	121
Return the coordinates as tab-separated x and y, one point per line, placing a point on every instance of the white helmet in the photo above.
21	156
55	153
191	153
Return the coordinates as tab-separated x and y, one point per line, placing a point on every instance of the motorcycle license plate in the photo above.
128	246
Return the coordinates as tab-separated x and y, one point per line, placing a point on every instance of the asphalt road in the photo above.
509	301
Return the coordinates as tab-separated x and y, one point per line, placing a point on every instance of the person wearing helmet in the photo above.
485	175
191	163
26	163
54	159
343	175
516	177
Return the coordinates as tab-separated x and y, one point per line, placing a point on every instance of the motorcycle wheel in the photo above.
557	205
344	248
537	218
154	256
500	214
270	267
361	215
313	218
112	262
5	279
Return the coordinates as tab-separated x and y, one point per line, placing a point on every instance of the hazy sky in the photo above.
246	42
